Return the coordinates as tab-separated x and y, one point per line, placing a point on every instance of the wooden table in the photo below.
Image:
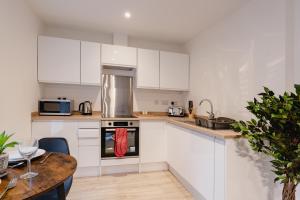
52	174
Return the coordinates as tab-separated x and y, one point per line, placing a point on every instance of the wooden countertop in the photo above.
187	123
76	116
183	122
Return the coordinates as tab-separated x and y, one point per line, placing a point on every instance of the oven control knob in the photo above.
131	123
109	123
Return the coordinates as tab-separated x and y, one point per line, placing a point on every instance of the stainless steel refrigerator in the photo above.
116	96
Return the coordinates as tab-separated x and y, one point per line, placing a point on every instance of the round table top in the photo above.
52	173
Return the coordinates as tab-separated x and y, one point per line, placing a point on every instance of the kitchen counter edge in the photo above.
96	116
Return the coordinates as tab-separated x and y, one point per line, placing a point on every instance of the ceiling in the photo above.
175	21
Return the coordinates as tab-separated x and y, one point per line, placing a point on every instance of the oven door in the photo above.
108	142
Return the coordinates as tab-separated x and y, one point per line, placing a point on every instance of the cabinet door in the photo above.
174	71
148	69
118	55
90	63
67	130
58	60
191	154
220	169
89	156
153	141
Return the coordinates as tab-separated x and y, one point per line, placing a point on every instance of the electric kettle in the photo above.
85	108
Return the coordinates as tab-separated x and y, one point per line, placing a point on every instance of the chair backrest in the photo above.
59	145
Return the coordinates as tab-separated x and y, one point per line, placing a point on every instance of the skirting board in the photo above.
150	167
118	169
145	167
120	162
87	172
186	184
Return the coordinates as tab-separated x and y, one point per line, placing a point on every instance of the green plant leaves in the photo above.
3	141
297	87
275	131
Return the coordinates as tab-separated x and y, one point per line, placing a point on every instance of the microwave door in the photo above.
55	107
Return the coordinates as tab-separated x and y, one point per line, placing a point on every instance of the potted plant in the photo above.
275	131
3	145
297	88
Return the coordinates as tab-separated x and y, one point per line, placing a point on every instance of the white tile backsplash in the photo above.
77	93
143	99
156	100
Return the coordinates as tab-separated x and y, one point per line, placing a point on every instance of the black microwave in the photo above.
63	107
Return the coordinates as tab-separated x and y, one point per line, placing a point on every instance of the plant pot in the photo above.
3	162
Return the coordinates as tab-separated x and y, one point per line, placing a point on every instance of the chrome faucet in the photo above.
211	113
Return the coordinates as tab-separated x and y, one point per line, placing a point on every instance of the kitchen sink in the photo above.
216	123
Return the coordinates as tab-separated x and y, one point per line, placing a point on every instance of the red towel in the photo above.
121	142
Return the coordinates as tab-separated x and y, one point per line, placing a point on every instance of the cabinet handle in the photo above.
113	129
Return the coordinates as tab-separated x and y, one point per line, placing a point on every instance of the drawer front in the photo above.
89	142
88	133
88	124
89	156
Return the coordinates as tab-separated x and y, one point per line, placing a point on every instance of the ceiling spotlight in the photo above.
127	15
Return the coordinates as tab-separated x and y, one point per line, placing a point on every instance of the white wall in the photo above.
75	92
230	62
233	60
144	100
18	63
156	100
297	41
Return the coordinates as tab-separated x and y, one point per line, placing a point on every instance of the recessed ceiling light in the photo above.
127	15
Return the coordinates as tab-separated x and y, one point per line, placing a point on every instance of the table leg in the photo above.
61	192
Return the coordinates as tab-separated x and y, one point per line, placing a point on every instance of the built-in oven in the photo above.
108	131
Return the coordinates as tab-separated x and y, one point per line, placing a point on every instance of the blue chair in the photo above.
59	145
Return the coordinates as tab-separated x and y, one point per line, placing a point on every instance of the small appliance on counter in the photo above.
176	111
59	106
85	108
191	110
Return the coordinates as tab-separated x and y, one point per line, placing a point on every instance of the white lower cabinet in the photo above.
153	142
220	169
88	156
198	159
67	130
83	139
191	155
88	147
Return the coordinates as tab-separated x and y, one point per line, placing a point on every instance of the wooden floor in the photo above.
145	186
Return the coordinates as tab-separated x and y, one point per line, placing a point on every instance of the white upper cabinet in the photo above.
118	55
58	60
148	69
174	71
90	63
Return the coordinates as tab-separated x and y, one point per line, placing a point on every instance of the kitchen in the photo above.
227	58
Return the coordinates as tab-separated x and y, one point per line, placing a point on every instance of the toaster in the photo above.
176	111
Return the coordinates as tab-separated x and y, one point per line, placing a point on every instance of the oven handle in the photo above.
113	129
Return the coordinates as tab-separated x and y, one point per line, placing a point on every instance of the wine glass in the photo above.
27	149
